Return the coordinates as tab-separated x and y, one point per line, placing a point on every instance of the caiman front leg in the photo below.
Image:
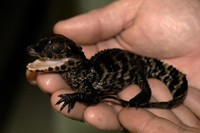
71	99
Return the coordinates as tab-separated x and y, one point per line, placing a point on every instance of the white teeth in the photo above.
43	65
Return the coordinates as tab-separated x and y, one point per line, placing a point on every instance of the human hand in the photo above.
167	30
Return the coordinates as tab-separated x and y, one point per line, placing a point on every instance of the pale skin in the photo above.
168	30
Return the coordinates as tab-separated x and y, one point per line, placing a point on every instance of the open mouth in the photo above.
44	65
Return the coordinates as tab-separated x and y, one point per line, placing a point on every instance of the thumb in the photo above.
142	121
97	25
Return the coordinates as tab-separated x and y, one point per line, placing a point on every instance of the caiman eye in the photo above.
58	48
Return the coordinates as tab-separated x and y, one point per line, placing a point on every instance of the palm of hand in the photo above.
152	28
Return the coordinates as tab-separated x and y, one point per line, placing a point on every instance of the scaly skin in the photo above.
106	73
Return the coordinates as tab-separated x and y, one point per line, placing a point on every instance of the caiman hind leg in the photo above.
179	93
144	96
174	80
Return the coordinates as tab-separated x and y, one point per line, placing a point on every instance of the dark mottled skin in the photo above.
108	72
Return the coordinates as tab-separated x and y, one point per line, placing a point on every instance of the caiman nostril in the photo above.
31	51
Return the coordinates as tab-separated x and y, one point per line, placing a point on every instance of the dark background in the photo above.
23	107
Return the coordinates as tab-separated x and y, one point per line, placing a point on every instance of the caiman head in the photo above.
54	52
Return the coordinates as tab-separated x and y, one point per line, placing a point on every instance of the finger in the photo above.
192	101
187	117
102	116
50	82
139	120
75	113
99	24
31	77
